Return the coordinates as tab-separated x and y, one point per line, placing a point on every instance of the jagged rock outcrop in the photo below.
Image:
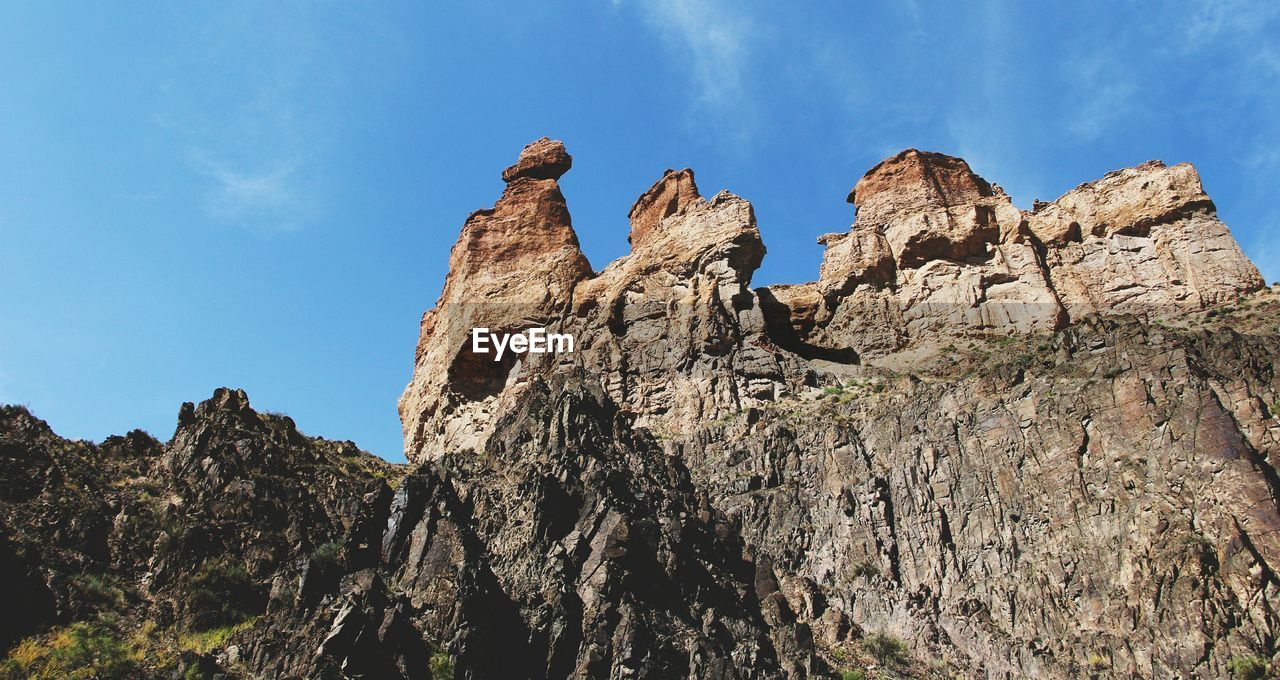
984	442
1091	504
1143	240
938	252
685	283
964	514
672	331
514	266
142	547
576	548
935	251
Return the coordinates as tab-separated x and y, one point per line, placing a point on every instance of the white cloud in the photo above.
1211	20
250	108
1103	92
268	198
716	40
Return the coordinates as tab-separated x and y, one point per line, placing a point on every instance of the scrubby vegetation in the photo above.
81	650
887	649
1249	668
222	594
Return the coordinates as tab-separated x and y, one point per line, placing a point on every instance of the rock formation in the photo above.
513	267
973	536
985	442
673	332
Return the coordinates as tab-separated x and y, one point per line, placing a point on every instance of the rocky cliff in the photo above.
675	334
985	442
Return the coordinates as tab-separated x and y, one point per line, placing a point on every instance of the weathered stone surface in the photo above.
674	193
1144	240
858	256
951	439
965	515
937	252
514	266
914	180
542	159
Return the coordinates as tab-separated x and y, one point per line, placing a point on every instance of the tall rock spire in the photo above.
514	266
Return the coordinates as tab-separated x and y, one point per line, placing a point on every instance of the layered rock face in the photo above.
513	267
1141	239
937	251
675	335
691	263
1012	473
985	443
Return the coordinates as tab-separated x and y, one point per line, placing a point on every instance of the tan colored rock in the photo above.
945	253
1012	508
514	266
674	193
673	333
1127	201
1143	240
860	255
914	180
931	206
949	255
661	324
542	159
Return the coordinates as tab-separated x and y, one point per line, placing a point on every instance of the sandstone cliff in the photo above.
984	443
675	334
1040	518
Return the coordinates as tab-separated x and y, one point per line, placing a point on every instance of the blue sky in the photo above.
264	195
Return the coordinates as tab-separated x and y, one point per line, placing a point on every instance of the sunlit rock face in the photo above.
514	267
1144	240
674	333
984	443
981	430
938	252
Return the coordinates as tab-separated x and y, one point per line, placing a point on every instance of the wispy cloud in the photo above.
1210	20
1103	94
269	198
252	115
714	37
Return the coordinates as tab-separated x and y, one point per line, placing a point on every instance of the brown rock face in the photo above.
543	159
514	266
941	438
518	266
929	207
936	253
1143	240
675	192
913	180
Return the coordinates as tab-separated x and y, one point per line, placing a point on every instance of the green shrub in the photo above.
887	649
441	666
326	556
79	651
1247	667
853	675
100	591
206	641
222	594
865	568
